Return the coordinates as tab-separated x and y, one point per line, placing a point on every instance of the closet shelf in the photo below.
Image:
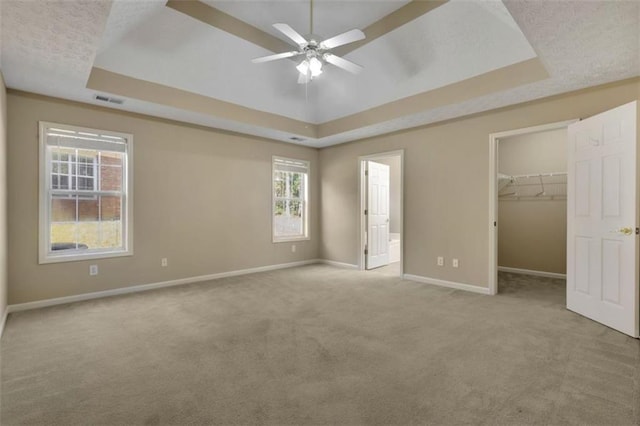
530	187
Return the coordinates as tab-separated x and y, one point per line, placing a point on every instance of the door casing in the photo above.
362	196
493	191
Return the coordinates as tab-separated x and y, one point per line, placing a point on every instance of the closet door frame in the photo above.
494	138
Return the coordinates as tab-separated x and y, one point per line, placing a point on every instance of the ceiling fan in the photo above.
315	52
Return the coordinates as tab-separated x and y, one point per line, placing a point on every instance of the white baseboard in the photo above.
448	284
339	264
145	287
531	272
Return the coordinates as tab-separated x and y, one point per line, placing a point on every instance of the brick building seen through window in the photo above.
86	220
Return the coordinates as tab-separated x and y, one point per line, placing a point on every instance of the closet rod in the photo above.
538	175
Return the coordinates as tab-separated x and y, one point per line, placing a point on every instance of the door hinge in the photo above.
637	231
366	252
366	212
495	223
366	172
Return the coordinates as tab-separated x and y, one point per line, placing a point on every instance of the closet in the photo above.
532	207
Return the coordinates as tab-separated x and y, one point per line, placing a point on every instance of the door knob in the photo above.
625	231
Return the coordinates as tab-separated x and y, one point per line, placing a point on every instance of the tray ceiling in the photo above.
423	61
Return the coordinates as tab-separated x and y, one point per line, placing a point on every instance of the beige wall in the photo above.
202	199
394	191
532	153
3	198
446	183
532	233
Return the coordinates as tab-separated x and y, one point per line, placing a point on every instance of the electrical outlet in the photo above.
293	248
440	261
93	269
164	262
455	263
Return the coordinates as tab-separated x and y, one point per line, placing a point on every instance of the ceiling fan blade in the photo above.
276	56
343	63
291	33
340	39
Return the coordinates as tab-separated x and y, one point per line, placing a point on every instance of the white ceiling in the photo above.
49	47
330	17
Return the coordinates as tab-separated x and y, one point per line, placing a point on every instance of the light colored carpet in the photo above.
319	345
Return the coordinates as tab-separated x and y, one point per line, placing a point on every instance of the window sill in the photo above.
75	257
289	239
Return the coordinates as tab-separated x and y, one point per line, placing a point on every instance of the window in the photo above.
85	194
290	195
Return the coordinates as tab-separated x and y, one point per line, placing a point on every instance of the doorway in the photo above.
532	207
602	266
528	193
381	212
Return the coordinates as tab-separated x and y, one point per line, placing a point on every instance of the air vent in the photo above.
105	98
296	139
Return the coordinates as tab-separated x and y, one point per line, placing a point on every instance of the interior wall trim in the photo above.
339	264
103	80
152	286
448	284
532	272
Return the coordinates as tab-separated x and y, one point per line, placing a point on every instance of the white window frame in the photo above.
46	255
305	200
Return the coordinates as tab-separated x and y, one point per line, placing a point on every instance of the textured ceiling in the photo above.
50	47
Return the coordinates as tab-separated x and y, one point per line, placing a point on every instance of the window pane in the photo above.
111	224
88	233
63	236
87	208
85	183
110	208
85	170
63	208
279	184
288	218
98	224
111	171
296	182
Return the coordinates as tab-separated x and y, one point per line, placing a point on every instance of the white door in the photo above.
602	245
377	215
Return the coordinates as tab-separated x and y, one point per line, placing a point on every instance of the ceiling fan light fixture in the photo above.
303	67
315	65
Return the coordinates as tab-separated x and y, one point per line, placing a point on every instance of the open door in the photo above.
377	252
602	240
